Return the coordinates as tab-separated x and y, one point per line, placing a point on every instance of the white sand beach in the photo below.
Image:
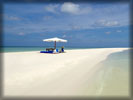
64	74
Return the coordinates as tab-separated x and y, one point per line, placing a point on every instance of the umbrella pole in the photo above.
55	44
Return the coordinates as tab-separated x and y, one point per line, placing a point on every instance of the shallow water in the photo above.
25	49
113	79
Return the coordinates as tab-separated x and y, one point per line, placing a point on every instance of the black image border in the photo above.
66	98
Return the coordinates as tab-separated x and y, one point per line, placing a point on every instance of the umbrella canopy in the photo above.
55	40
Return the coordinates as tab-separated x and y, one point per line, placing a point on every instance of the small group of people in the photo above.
62	49
56	50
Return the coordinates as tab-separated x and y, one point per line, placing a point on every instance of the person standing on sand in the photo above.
62	48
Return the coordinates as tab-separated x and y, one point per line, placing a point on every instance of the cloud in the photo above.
51	8
75	27
21	33
47	17
107	32
69	7
64	36
12	18
105	23
118	31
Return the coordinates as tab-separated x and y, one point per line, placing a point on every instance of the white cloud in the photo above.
118	31
69	7
21	33
14	18
47	17
105	23
75	27
64	36
107	32
51	8
112	23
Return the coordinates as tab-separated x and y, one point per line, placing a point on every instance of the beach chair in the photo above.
46	51
61	50
57	50
49	49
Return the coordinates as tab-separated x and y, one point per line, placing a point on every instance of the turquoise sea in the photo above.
114	77
32	48
24	49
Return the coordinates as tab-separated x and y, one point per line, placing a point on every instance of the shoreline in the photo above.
59	74
65	50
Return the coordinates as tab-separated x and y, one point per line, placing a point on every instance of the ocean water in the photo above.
113	79
24	49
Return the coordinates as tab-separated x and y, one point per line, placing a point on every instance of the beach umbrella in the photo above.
55	39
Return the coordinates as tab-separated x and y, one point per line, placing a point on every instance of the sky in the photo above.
82	24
